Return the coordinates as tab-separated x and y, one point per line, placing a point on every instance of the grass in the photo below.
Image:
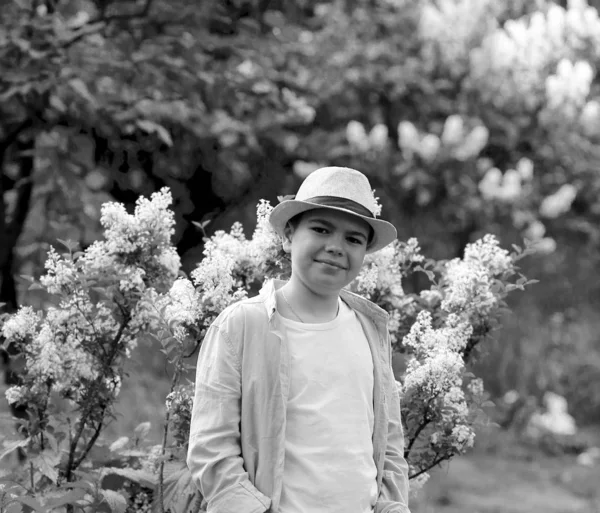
503	475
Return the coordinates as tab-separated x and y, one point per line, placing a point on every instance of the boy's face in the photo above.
327	249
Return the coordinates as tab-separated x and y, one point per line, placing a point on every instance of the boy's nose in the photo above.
333	248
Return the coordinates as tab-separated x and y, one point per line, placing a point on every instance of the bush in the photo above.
129	287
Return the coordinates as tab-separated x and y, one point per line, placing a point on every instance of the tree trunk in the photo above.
11	231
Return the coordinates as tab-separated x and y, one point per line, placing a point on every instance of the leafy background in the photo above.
227	102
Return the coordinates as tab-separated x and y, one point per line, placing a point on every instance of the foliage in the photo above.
464	113
458	110
126	287
74	352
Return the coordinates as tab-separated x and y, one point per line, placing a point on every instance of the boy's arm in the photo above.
393	497
214	455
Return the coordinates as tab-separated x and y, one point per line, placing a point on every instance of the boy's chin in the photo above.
331	286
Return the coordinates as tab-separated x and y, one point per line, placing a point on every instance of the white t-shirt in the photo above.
329	466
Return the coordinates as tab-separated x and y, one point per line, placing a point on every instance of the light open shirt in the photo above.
237	437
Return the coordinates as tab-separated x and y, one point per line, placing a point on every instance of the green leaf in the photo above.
142	430
68	498
15	507
179	490
80	485
201	225
82	90
32	503
154	128
69	244
11	446
117	503
57	104
46	463
142	477
119	443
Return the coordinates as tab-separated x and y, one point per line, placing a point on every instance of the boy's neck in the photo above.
306	305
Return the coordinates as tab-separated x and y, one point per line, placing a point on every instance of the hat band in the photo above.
336	201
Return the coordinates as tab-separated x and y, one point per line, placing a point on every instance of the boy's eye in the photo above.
354	240
318	229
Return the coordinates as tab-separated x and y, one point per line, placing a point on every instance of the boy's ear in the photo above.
286	238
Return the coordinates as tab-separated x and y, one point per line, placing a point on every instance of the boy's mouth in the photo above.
331	264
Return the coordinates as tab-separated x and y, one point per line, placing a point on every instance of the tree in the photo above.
460	129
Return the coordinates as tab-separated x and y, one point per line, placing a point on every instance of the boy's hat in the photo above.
337	188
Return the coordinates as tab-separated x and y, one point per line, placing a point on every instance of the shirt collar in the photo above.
359	303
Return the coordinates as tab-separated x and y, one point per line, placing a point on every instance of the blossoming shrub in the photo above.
73	353
128	287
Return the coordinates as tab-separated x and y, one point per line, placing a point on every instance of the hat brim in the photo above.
384	233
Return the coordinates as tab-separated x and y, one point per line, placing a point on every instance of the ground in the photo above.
483	482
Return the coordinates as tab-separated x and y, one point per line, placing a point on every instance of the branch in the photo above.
84	418
91	441
91	27
161	470
143	12
24	189
12	137
97	24
473	341
435	462
421	427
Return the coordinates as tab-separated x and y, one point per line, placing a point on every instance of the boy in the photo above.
296	407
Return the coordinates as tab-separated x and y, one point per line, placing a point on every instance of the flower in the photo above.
22	325
437	363
571	84
463	436
179	404
467	283
213	276
265	243
476	387
435	374
378	137
510	66
558	203
453	131
488	253
429	147
14	394
302	169
473	143
468	288
367	279
426	340
61	273
408	138
376	206
452	27
357	136
182	308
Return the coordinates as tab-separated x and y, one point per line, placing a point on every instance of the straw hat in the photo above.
337	188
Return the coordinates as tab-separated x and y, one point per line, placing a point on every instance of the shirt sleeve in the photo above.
214	455
393	497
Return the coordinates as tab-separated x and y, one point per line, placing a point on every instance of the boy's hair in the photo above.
295	221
